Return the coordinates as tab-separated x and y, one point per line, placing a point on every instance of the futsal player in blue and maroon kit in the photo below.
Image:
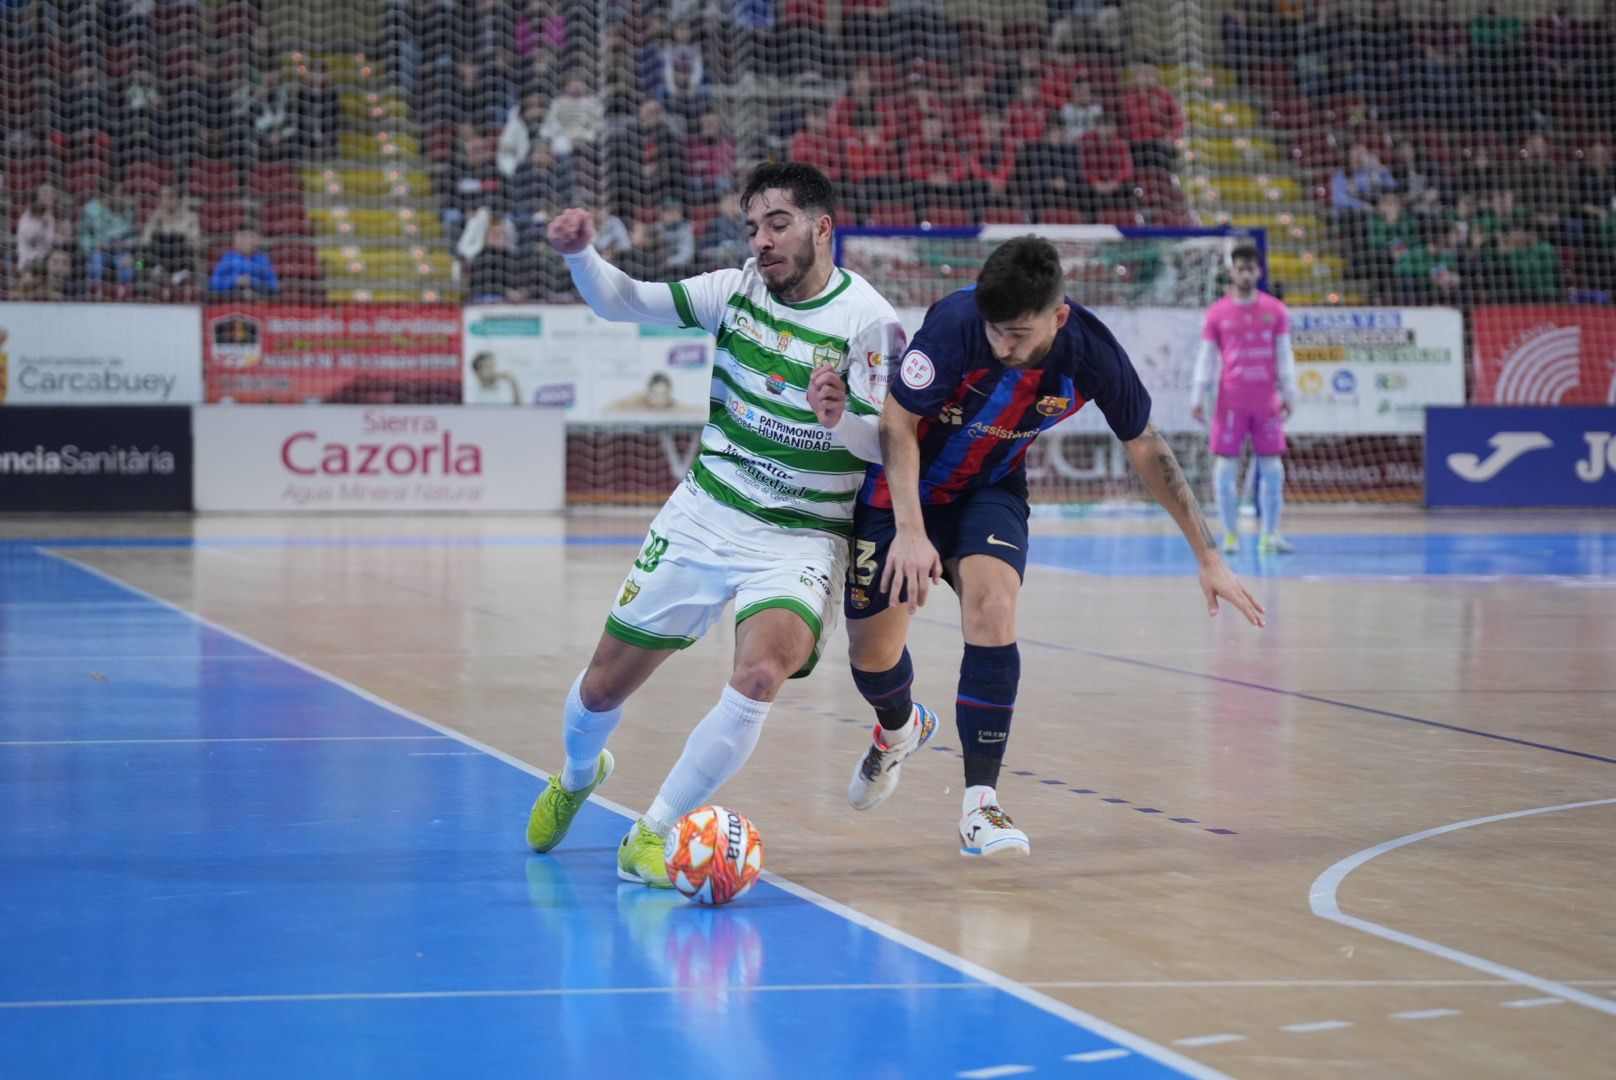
991	367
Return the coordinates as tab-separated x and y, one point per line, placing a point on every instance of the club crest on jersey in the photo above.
858	597
828	356
631	589
1050	405
917	370
785	341
777	383
875	359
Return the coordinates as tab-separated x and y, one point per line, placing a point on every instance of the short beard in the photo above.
800	265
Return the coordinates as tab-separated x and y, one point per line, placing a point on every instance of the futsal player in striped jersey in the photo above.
990	368
764	515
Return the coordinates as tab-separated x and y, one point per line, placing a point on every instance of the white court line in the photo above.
1284	984
1531	1003
244	739
1317	1025
992	1072
1091	1057
1322	897
1208	1040
1009	986
1425	1014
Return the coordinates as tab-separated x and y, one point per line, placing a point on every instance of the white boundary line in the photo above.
243	739
1322	898
1009	986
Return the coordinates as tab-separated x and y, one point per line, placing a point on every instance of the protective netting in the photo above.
409	152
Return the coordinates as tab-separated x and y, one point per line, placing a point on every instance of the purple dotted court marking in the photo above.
1113	800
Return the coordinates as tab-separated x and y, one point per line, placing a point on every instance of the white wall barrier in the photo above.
369	458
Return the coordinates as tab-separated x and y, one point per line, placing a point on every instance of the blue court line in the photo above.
1318	699
280	906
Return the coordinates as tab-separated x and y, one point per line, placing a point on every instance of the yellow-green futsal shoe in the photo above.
639	858
553	812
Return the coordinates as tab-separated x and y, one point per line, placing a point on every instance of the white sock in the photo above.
980	795
715	751
899	737
584	736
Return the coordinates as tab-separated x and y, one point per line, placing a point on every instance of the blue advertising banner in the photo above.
1520	456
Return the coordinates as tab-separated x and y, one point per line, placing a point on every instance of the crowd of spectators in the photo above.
135	137
1462	161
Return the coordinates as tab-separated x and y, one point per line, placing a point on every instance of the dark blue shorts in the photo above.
987	521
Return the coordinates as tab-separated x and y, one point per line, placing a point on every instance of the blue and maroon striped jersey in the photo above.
978	417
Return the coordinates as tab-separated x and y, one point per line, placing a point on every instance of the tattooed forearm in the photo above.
1159	468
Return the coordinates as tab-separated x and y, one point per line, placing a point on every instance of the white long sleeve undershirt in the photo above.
860	434
1209	362
616	297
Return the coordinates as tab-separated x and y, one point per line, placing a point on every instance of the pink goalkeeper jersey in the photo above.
1244	335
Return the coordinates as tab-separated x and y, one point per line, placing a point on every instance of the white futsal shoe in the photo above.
876	775
988	830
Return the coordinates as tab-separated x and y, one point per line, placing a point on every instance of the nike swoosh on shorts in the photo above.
1002	543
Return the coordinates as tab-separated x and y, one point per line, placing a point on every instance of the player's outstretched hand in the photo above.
911	569
1217	580
571	231
827	395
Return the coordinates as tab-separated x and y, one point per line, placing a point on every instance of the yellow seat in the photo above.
401	182
378	145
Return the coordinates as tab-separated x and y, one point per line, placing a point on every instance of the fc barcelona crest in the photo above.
631	589
1050	405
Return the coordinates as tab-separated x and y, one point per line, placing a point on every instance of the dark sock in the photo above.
888	692
989	676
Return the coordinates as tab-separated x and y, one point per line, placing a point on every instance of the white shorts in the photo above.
700	553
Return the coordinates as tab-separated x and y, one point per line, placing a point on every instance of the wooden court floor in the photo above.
1376	839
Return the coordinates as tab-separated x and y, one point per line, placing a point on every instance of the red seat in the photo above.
1004	215
701	215
946	217
297	259
213	178
892	216
1059	216
86	176
298	291
274	178
26	174
221	216
145	177
285	218
1315	150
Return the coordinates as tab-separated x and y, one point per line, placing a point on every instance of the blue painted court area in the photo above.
215	863
1497	554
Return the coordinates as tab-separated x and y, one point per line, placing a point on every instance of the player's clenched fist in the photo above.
827	395
571	231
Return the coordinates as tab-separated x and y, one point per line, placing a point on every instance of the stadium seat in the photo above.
946	217
891	215
1060	216
285	217
297	259
274	178
212	178
1004	215
145	177
222	216
86	176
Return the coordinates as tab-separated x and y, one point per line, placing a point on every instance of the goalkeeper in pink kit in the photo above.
1246	347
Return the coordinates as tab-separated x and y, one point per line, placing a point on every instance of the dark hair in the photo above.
1245	249
1022	276
809	188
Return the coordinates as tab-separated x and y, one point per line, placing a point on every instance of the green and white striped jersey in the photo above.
763	451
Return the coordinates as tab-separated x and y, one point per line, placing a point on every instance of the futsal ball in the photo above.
713	855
